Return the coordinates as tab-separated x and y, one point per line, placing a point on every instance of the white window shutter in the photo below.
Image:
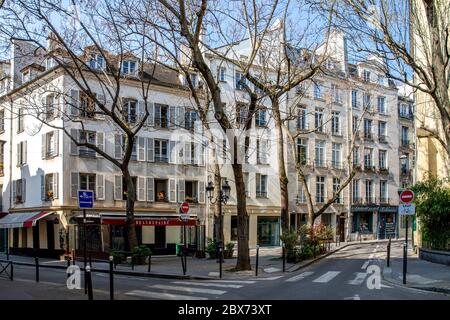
99	114
150	150
118	146
252	184
201	155
141	188
73	146
172	151
172	190
187	153
55	185
14	190
18	154
196	153
74	103
56	142
151	114
181	190
43	146
180	152
150	189
24	146
100	141
201	192
100	187
24	189
141	110
181	112
172	117
74	184
118	193
141	149
43	187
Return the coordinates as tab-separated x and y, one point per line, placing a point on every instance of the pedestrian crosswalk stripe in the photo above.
300	276
162	295
364	266
270	278
327	277
177	288
231	281
206	284
360	277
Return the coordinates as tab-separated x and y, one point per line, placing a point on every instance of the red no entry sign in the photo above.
185	207
406	196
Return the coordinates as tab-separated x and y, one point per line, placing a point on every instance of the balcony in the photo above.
384	200
320	164
383	170
408	115
382	138
370	200
405	172
320	199
368	136
261	194
357	167
164	159
320	129
357	201
336	165
369	168
301	198
302	126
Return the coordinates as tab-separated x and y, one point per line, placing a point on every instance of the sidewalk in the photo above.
270	264
420	274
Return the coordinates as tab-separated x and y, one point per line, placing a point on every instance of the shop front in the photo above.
363	218
268	231
387	222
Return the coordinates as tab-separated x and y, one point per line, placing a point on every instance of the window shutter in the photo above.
180	152
181	190
187	153
151	114
141	149
118	193
118	146
73	146
43	146
43	187
100	141
14	187
202	149
181	112
141	111
150	189
172	151
18	154
100	187
150	150
172	117
56	142
201	192
24	153
74	103
24	189
172	190
252	184
74	184
99	114
55	185
141	188
196	153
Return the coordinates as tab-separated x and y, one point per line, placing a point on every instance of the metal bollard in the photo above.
149	262
90	259
257	260
12	271
111	278
73	257
68	265
36	260
389	253
185	263
89	283
405	256
220	263
284	258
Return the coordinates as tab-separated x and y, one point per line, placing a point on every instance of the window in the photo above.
337	96
161	151
405	165
241	113
335	123
239	81
96	61
383	191
382	161
405	138
405	111
366	75
382	131
129	66
26	76
19	187
191	188
194	80
367	101
2	121
2	158
261	151
21	153
320	153
380	79
221	74
354	99
320	189
369	192
301	119
261	186
326	219
301	198
368	156
161	116
336	155
356	156
50	107
87	181
381	104
355	192
354	124
86	136
189	119
367	129
129	110
50	144
318	119
20	116
260	118
318	90
234	228
50	187
336	186
302	150
87	106
161	191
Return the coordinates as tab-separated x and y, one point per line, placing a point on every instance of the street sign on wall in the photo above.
85	199
407	209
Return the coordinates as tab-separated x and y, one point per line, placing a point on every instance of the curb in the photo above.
429	289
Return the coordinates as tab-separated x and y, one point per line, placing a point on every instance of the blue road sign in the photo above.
85	199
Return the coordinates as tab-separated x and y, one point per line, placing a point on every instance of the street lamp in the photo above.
223	197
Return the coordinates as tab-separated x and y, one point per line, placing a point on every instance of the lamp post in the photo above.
224	195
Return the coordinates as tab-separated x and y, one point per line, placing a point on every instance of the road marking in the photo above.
327	277
162	295
40	282
176	288
355	297
359	279
205	284
105	275
270	278
364	266
300	276
271	270
231	281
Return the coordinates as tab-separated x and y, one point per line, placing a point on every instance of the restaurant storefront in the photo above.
387	222
375	222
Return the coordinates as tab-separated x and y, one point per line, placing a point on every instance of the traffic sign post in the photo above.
406	208
85	201
184	215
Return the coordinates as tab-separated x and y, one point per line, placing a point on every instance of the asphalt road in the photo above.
340	276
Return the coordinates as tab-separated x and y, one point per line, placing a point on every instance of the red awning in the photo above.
151	222
22	220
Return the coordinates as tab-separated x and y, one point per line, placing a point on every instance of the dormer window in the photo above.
26	76
366	75
96	61
194	79
49	63
128	66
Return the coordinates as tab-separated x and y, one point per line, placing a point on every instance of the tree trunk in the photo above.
283	179
130	229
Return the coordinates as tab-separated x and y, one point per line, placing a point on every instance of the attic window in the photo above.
50	63
26	76
96	61
128	66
